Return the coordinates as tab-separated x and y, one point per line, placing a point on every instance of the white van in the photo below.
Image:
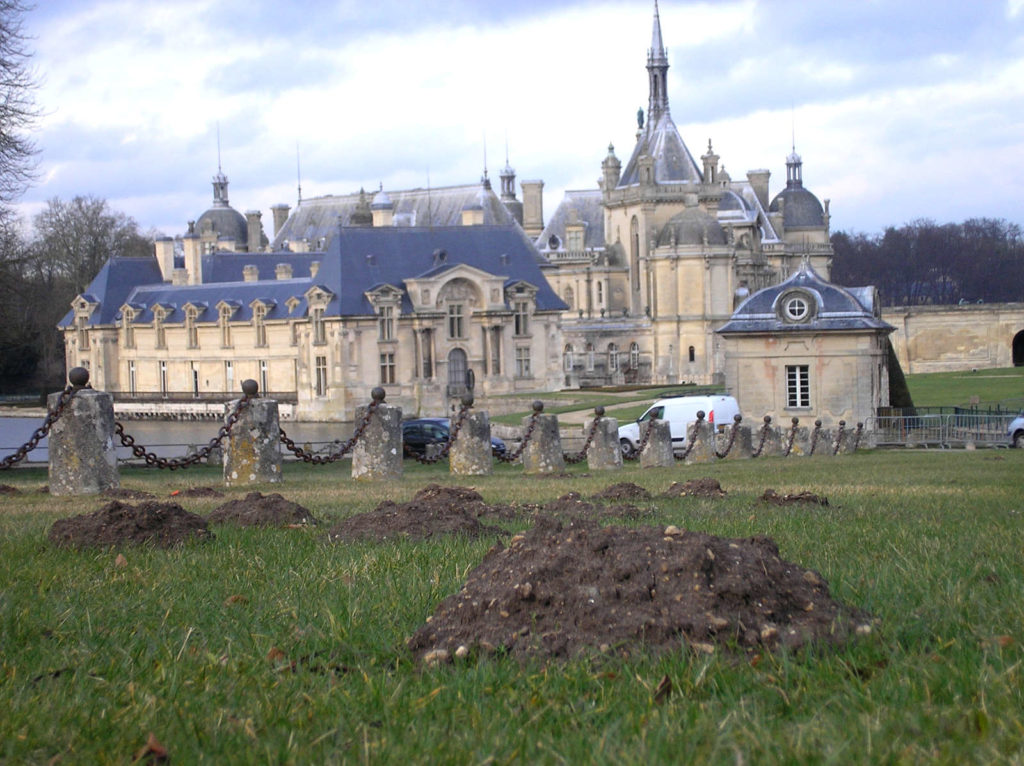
680	411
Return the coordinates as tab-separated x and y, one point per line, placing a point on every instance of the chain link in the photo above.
40	433
857	435
635	454
792	437
453	434
764	436
732	438
175	463
814	437
310	457
514	456
839	437
691	438
579	456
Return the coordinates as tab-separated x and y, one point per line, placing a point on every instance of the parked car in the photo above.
1015	432
417	434
680	411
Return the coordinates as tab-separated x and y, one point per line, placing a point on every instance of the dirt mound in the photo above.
197	492
572	505
123	493
799	498
259	510
434	510
7	489
706	487
625	490
560	590
162	524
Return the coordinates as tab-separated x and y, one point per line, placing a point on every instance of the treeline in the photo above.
923	262
42	268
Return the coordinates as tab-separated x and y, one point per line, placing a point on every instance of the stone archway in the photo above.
1018	349
457	366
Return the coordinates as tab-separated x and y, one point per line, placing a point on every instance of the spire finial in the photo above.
298	170
218	147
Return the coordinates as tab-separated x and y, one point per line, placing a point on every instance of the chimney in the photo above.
251	273
179	277
299	245
533	208
283	271
163	248
280	212
193	255
314	269
254	237
759	183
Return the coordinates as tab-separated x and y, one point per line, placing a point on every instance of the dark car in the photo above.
419	433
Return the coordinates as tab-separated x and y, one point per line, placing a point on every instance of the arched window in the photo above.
567	357
693	354
456	372
613	358
634	355
569	298
589	351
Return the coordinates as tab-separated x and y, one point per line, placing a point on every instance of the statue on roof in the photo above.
640	118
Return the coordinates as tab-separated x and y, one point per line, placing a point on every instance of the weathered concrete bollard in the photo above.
657	453
470	454
604	453
543	452
801	441
700	441
378	452
770	439
253	453
742	444
83	458
848	438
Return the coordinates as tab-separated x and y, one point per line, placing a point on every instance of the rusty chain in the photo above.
40	433
857	435
691	438
538	408
814	437
764	436
736	420
839	437
310	457
792	437
579	456
175	463
635	454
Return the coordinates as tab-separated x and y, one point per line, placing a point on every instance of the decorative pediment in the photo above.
292	303
195	308
384	294
521	290
266	303
228	307
83	305
318	296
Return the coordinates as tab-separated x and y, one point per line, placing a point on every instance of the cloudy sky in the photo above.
901	110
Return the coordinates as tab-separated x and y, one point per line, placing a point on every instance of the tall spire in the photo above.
220	181
298	170
657	73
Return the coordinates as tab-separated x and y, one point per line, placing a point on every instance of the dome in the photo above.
733	201
381	201
800	208
693	226
225	222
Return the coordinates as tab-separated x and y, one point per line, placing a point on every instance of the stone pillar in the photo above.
543	453
83	458
470	454
377	455
253	454
700	442
657	452
801	442
848	442
604	453
743	444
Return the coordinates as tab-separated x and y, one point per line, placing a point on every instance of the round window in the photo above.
796	308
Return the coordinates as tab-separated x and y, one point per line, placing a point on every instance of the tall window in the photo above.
692	354
225	327
428	354
229	376
600	293
321	375
195	381
191	331
567	360
455	318
163	378
496	352
82	324
634	252
132	381
128	325
569	298
387	367
589	352
522	317
295	334
522	361
613	358
319	332
158	328
634	355
386	322
798	385
264	377
259	316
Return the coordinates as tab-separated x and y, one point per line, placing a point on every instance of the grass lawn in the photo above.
936	389
274	646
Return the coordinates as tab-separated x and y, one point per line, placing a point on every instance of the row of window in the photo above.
456	321
570	357
259	315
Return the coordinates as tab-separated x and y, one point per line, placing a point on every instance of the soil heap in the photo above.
259	510
561	589
117	523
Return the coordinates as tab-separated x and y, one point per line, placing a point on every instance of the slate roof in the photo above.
589	210
835	308
346	271
673	162
317	219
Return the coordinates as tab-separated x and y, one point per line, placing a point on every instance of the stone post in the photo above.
83	458
377	455
543	452
604	453
772	441
253	453
848	440
657	453
700	442
801	442
743	444
470	454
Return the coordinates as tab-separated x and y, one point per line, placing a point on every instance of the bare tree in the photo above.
18	110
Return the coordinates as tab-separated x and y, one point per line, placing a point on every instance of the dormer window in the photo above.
224	318
191	331
128	326
796	307
259	316
159	314
82	329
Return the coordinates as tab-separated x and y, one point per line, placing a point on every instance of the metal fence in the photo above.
941	430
